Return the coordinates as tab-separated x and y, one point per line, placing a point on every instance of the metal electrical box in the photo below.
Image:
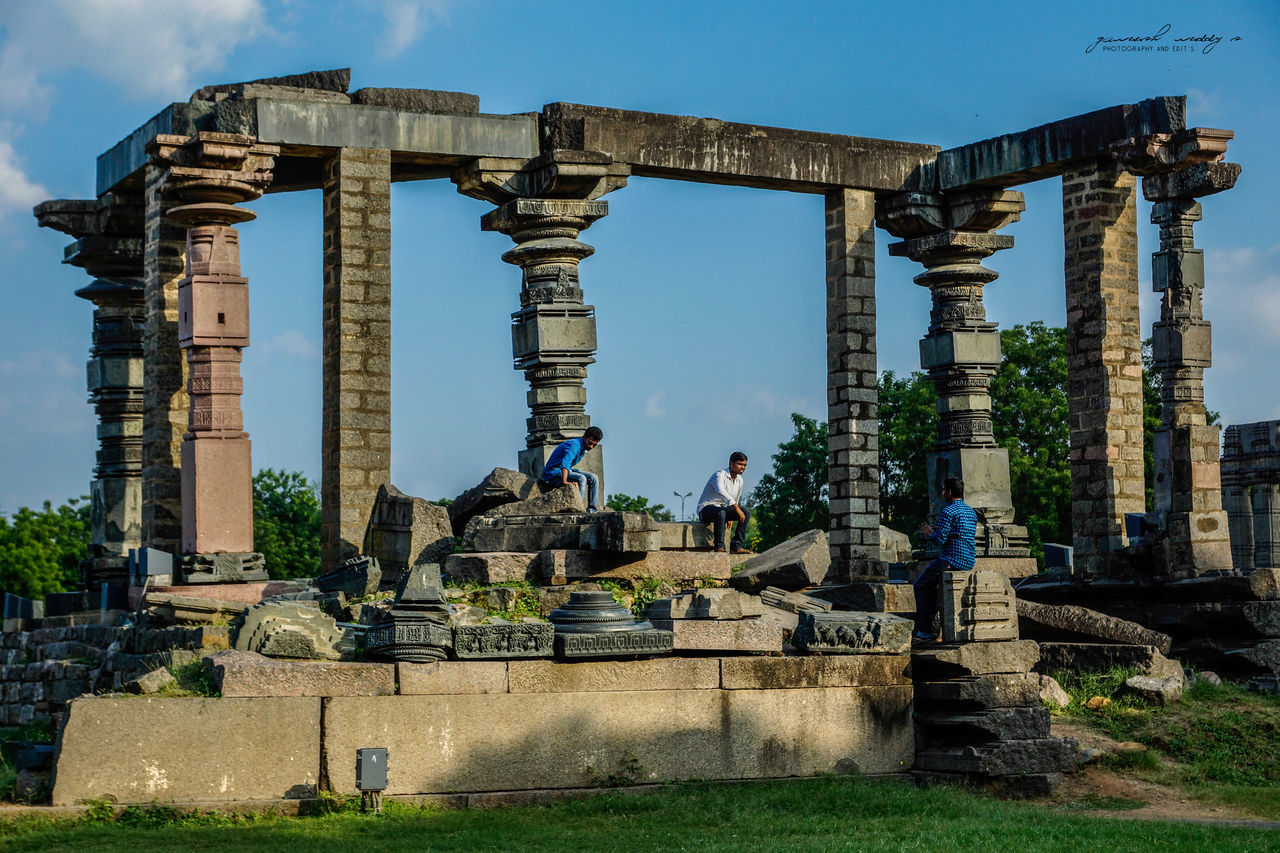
371	769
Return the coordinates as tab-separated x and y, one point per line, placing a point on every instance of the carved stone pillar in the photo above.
544	204
208	174
951	236
109	248
1235	499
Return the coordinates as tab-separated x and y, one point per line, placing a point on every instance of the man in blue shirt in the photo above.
559	468
955	534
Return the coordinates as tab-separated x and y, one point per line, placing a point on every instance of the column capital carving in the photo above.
1168	152
108	232
913	215
210	173
557	173
1193	181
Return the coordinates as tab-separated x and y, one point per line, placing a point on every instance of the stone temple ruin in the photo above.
797	662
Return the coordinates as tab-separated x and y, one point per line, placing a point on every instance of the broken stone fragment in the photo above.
290	629
851	633
404	531
799	562
356	577
562	499
501	486
1153	691
152	682
1068	622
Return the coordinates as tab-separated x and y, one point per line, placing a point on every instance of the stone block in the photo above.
644	642
597	676
491	567
244	674
851	633
621	532
770	673
895	547
1011	758
502	486
356	577
1070	622
1265	583
968	659
800	562
685	535
418	100
707	604
1154	691
404	531
869	596
287	629
150	683
1007	690
519	640
981	726
563	499
1099	657
568	740
1264	658
714	635
676	567
189	750
452	677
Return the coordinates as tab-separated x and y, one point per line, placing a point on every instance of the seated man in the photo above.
719	503
954	536
559	469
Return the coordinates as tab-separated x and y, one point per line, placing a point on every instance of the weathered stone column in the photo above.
1236	500
543	205
164	375
853	444
951	236
109	247
208	174
1266	525
356	432
1188	496
1104	358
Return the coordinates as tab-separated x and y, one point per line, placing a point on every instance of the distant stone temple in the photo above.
161	245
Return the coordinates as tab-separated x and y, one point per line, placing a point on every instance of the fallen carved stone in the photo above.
799	562
851	633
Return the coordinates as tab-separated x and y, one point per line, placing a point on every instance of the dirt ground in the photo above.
1162	801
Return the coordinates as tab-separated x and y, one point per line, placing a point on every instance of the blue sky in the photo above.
709	299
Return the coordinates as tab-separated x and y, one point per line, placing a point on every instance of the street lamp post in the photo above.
682	498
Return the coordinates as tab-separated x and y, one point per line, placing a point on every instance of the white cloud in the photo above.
291	343
18	193
653	407
149	49
409	20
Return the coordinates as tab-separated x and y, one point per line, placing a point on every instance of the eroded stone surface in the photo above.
715	635
977	606
968	659
1072	622
851	633
795	564
522	640
239	673
405	531
287	629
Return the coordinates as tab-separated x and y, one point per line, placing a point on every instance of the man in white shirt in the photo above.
719	504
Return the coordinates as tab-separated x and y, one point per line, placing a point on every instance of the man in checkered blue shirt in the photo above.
957	528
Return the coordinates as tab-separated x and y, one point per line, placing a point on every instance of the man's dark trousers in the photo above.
718	516
926	591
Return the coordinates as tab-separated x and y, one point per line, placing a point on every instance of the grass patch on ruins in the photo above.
1219	744
831	813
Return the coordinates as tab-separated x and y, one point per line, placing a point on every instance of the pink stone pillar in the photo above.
207	174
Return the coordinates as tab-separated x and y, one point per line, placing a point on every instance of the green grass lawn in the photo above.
832	813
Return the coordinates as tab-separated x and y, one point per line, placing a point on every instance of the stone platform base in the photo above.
545	726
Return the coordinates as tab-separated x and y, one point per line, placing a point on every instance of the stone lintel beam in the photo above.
315	128
1050	149
708	150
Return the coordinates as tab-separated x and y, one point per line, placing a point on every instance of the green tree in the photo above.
286	523
792	498
908	429
627	503
1029	413
40	552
